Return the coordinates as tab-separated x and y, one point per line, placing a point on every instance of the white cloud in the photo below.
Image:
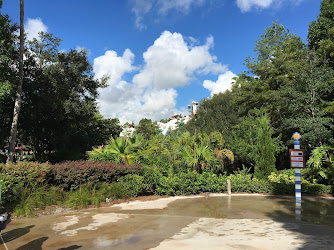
159	100
170	62
248	5
140	9
223	83
130	103
184	6
114	66
121	100
33	27
161	7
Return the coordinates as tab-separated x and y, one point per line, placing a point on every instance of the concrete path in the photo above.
237	222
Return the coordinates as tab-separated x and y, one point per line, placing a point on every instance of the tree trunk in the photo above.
18	99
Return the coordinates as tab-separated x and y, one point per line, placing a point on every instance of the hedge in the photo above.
70	175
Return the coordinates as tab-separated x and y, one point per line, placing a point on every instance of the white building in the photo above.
127	131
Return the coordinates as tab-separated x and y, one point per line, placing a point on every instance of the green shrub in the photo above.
321	165
309	188
84	196
29	173
282	188
286	176
190	182
210	182
117	190
39	197
152	176
284	183
11	187
134	184
98	154
165	186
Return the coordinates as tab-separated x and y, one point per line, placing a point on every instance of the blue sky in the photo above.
162	54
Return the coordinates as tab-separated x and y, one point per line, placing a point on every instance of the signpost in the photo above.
297	161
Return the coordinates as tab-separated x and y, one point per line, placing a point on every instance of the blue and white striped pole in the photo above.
298	183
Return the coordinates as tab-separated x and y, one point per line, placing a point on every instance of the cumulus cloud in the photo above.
33	27
170	62
248	5
161	7
223	83
121	100
130	103
159	100
113	65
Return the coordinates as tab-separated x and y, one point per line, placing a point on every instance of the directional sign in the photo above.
297	158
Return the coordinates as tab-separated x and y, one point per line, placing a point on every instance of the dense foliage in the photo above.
26	186
287	82
199	152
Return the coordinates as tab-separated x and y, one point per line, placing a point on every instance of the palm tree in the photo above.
124	148
18	99
197	157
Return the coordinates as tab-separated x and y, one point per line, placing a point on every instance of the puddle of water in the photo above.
313	209
226	218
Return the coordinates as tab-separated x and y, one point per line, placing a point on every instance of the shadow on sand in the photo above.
16	233
35	244
70	247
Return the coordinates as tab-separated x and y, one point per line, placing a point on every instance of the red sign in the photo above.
297	158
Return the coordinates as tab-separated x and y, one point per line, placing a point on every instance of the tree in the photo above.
247	143
302	103
8	54
265	150
291	84
18	98
277	54
147	128
202	151
198	157
215	114
120	150
59	111
123	148
321	39
321	32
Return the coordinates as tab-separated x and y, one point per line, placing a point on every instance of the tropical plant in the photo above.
124	148
198	157
321	164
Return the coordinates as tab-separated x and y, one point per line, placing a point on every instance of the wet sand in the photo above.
196	222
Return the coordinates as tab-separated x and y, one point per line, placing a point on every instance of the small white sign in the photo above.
296	164
297	159
297	153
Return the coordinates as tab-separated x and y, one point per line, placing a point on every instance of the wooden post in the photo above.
229	187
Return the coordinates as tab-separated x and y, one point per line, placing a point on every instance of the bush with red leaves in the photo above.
70	175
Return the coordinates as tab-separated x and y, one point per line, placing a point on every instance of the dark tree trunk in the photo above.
18	99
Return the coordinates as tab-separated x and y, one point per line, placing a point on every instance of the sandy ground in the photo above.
192	222
154	204
208	233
